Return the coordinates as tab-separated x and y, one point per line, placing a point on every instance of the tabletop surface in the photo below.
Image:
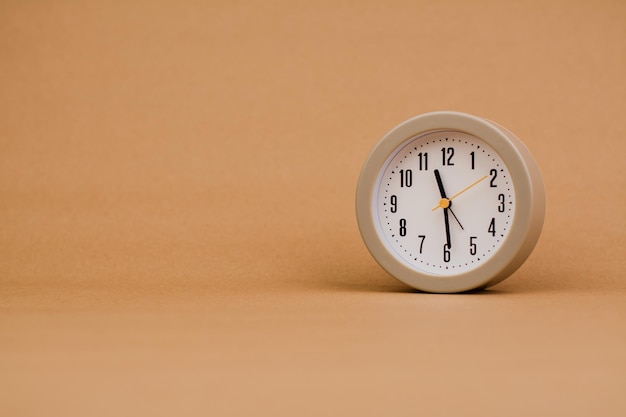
178	235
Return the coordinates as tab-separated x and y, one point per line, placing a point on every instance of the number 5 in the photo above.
472	245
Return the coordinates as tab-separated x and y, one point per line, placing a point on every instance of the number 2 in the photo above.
494	174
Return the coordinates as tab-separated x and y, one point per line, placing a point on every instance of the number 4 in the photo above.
492	226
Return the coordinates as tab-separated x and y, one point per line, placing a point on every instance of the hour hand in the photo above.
445	201
440	184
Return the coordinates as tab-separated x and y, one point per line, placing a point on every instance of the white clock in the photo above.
450	202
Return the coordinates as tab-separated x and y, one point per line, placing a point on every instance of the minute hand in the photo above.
462	191
445	209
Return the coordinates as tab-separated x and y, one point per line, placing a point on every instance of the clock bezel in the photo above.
526	225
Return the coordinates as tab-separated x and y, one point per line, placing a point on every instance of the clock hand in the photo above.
447	221
445	202
455	218
468	187
440	184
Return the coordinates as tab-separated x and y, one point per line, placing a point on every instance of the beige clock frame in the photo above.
529	196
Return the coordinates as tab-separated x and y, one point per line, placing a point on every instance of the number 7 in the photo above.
422	242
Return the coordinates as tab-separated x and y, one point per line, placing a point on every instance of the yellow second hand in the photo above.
462	191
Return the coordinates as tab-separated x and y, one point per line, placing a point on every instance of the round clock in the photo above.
450	202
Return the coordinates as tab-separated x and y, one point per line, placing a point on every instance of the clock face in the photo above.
444	202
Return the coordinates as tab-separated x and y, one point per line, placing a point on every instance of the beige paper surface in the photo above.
177	220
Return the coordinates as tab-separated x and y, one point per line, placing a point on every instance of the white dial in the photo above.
444	202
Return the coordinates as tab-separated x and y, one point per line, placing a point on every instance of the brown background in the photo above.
177	209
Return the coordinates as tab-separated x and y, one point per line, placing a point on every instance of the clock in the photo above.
449	202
